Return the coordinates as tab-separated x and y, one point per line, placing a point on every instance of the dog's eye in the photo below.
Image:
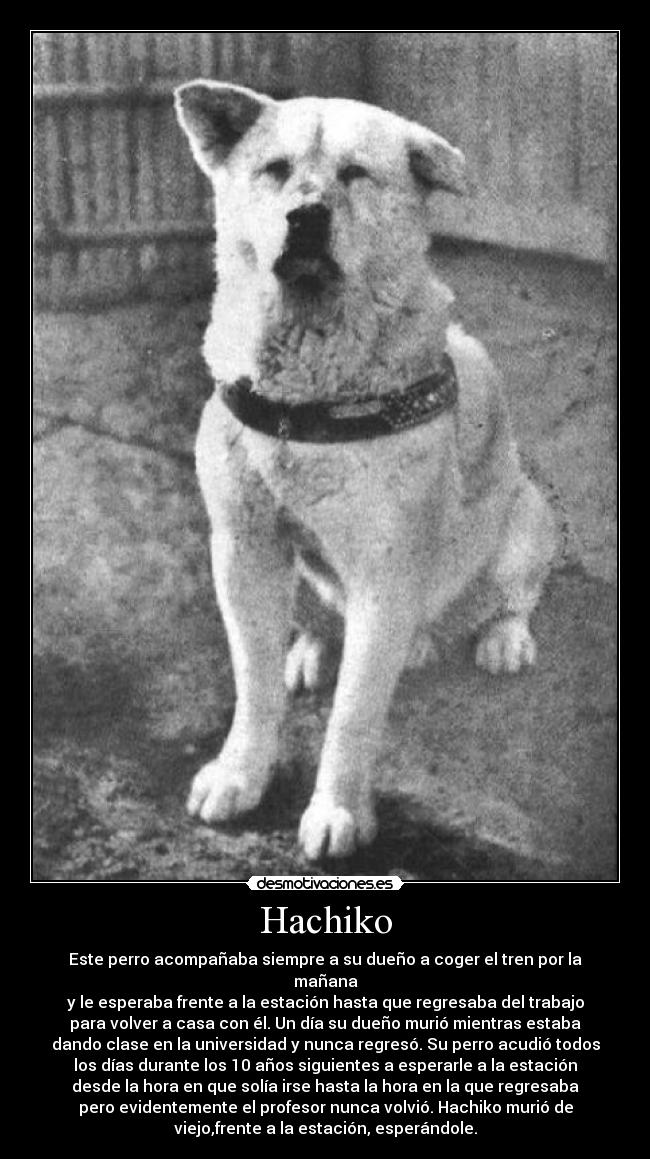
349	173
278	169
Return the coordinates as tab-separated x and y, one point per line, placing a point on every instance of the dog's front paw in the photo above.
331	830
222	791
305	664
506	646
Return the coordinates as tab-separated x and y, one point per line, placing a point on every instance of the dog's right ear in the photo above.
215	117
437	165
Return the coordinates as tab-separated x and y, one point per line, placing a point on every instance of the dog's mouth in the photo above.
307	273
306	263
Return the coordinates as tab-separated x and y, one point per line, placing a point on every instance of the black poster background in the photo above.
425	919
600	922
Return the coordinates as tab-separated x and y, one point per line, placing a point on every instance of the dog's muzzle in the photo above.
306	256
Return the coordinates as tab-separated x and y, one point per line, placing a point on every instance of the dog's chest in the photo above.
355	497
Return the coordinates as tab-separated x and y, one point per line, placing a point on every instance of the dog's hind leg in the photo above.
254	581
310	660
518	571
305	663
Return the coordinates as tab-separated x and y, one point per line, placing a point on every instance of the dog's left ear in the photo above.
215	117
437	165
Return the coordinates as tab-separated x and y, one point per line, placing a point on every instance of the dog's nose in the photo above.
309	226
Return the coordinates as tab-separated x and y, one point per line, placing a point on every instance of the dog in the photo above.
356	437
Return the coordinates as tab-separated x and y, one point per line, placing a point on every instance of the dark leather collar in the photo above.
344	421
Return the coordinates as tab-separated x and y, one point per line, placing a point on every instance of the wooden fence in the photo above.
536	115
121	210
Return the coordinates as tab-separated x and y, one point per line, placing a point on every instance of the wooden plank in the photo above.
557	227
75	128
533	80
598	99
561	113
171	162
591	113
611	172
182	176
70	57
49	57
127	233
56	207
41	279
121	64
146	202
263	59
337	66
109	277
125	162
279	47
102	69
39	173
140	59
42	57
577	123
78	136
167	147
62	276
227	59
165	55
189	55
207	55
512	83
249	60
86	282
470	136
437	81
55	56
155	92
37	57
106	65
300	53
482	111
104	168
102	94
497	115
41	212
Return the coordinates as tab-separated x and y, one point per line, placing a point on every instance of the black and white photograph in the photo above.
325	413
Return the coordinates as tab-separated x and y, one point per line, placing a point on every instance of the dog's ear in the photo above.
215	117
437	165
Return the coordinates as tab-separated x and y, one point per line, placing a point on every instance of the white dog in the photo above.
354	436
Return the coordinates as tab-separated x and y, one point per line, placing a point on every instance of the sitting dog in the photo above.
355	437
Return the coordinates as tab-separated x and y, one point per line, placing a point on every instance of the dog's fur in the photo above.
390	530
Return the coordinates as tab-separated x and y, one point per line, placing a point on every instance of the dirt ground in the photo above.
480	779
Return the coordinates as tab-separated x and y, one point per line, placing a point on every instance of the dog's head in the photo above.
318	194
